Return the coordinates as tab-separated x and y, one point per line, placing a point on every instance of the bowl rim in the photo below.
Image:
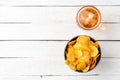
89	6
99	49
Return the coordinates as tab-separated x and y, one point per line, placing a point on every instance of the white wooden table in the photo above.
34	33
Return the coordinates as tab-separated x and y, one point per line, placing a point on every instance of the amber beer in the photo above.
88	17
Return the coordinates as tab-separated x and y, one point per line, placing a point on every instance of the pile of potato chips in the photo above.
82	54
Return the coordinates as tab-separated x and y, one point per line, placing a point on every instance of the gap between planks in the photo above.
87	74
52	40
15	22
39	57
57	5
63	75
31	22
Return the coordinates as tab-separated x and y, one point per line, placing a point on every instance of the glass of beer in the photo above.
88	17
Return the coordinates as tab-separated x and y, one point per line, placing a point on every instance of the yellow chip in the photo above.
72	67
83	39
86	55
76	62
81	46
81	59
93	64
85	48
94	61
81	66
88	61
94	51
94	43
78	53
66	62
77	46
70	49
86	69
72	42
70	57
94	58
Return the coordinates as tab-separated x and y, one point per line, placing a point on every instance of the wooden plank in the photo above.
54	23
103	77
59	2
47	58
49	48
52	66
6	77
58	14
108	77
56	32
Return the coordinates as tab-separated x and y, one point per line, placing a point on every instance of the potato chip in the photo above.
81	66
85	48
70	57
81	46
83	39
82	54
72	42
78	53
94	61
93	64
86	69
86	55
66	62
77	46
94	58
70	49
94	43
72	67
76	62
94	51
